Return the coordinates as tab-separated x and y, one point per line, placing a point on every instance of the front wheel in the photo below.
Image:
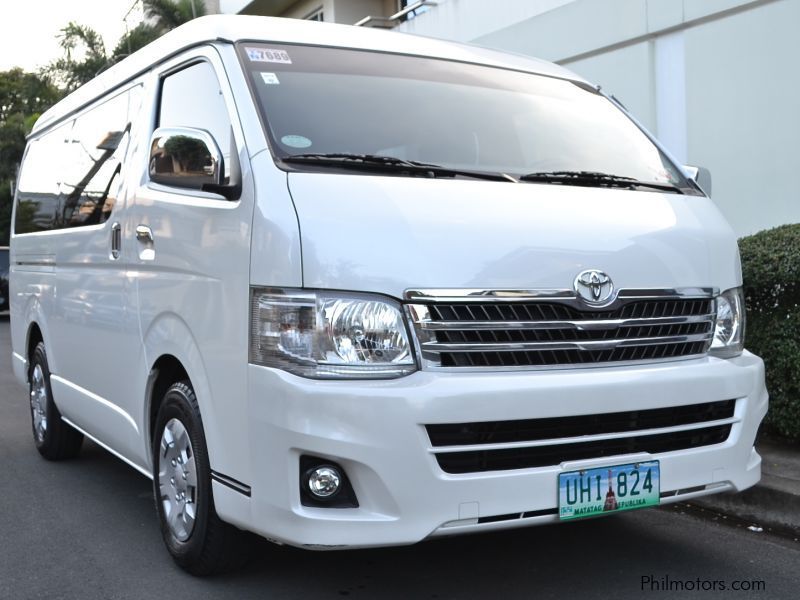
197	539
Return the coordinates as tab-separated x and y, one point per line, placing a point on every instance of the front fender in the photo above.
170	335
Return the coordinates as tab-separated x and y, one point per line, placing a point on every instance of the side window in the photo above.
39	185
71	175
98	144
192	98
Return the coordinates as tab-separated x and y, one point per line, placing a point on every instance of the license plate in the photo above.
604	490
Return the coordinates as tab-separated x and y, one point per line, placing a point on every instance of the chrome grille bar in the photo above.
578	325
513	329
588	345
509	295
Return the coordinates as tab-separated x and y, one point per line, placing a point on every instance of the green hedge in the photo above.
771	273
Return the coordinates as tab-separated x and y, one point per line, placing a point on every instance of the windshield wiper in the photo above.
596	179
379	162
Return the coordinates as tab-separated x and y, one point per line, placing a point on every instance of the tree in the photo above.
84	56
26	93
169	14
134	40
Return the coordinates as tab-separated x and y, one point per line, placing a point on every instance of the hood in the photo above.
390	234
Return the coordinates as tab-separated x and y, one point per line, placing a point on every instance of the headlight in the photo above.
329	335
729	328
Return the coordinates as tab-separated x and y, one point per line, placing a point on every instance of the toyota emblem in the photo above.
594	287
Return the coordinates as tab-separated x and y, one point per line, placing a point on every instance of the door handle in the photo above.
145	237
144	234
116	240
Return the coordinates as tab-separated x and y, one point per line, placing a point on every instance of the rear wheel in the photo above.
54	439
198	540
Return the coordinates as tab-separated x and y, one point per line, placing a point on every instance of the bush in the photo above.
771	273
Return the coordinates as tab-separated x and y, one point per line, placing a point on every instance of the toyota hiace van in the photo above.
341	287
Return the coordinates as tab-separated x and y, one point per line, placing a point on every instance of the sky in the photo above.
28	28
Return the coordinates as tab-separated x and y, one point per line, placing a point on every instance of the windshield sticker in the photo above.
270	78
296	141
269	55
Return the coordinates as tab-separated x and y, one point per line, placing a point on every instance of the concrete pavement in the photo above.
774	502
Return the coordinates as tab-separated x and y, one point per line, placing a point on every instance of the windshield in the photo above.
460	116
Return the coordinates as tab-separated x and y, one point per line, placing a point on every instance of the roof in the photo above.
232	28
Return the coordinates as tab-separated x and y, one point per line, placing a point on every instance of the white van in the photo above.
344	288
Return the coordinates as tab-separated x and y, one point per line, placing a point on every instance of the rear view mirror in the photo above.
185	158
701	176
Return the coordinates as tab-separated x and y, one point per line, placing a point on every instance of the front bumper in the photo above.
375	430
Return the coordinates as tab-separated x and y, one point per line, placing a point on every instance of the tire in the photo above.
54	439
198	540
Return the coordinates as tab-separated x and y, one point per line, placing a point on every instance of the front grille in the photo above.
558	439
561	332
550	311
529	430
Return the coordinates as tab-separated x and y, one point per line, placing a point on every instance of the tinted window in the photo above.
192	98
464	116
3	263
97	148
39	185
70	175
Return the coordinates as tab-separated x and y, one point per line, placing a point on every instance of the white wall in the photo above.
334	11
715	80
743	109
467	20
628	74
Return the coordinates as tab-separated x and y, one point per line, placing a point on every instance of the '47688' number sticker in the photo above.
269	55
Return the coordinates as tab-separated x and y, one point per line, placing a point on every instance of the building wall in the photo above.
346	12
352	11
300	10
212	7
743	109
713	79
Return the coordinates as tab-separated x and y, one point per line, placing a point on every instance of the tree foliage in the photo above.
25	93
84	56
169	14
134	40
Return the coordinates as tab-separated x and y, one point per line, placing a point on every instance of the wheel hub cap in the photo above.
38	403
177	479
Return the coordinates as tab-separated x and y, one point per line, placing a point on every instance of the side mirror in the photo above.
186	158
701	176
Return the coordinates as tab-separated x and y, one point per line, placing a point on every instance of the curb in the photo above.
761	504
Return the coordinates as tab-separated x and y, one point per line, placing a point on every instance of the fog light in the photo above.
323	481
324	484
